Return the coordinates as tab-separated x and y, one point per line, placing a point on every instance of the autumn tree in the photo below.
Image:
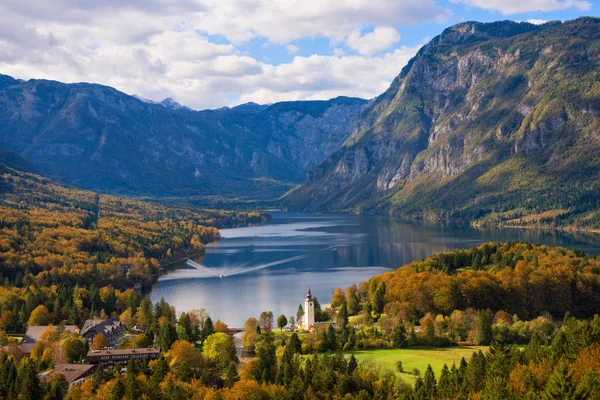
39	316
99	342
221	326
74	348
265	321
220	348
250	334
337	298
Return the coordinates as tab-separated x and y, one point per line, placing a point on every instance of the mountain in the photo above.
488	123
98	138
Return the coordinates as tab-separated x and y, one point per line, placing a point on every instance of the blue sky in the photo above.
213	53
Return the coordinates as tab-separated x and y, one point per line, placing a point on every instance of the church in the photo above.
308	320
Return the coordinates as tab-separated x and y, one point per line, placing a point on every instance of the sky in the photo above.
215	53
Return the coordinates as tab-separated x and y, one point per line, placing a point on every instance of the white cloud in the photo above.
382	38
163	48
338	52
508	7
324	77
292	49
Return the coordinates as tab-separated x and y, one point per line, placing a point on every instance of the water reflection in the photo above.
270	267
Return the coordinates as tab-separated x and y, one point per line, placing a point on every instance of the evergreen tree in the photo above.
352	364
207	330
231	377
445	383
559	385
399	335
299	314
29	383
483	327
342	317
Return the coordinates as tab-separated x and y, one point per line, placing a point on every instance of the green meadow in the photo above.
416	358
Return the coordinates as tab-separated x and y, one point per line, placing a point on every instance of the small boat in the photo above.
221	276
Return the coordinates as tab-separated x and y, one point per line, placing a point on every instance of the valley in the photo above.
438	241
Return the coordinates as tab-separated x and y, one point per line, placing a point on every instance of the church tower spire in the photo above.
309	311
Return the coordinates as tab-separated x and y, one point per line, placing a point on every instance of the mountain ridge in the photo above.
488	123
95	137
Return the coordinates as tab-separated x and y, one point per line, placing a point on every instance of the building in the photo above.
34	333
111	328
121	356
74	373
309	312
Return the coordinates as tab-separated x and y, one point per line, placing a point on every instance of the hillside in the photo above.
488	123
98	138
62	234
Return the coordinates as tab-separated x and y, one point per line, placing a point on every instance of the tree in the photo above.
379	299
282	321
58	386
29	383
99	342
221	327
220	348
559	385
299	314
250	334
167	334
207	329
342	316
74	348
231	377
292	321
184	358
483	327
184	328
39	316
264	368
126	317
399	335
337	298
352	300
266	321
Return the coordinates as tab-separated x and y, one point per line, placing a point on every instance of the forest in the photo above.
66	235
537	349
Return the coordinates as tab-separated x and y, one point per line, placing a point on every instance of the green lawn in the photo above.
416	358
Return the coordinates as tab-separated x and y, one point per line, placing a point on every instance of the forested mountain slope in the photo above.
494	122
98	138
71	235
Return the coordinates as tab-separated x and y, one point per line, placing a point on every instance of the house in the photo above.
111	328
34	333
74	373
121	356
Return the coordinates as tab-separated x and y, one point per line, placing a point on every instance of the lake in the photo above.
270	267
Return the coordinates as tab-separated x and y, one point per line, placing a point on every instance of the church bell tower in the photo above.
309	311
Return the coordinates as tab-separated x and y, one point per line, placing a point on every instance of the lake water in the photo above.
270	267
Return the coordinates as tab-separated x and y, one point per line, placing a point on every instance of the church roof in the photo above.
308	295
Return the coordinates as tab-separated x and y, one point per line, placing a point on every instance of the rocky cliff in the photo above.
98	138
487	122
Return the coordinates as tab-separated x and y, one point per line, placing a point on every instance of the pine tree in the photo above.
29	383
429	383
231	377
559	385
399	335
445	384
118	390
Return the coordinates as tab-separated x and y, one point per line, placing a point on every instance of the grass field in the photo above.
416	358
